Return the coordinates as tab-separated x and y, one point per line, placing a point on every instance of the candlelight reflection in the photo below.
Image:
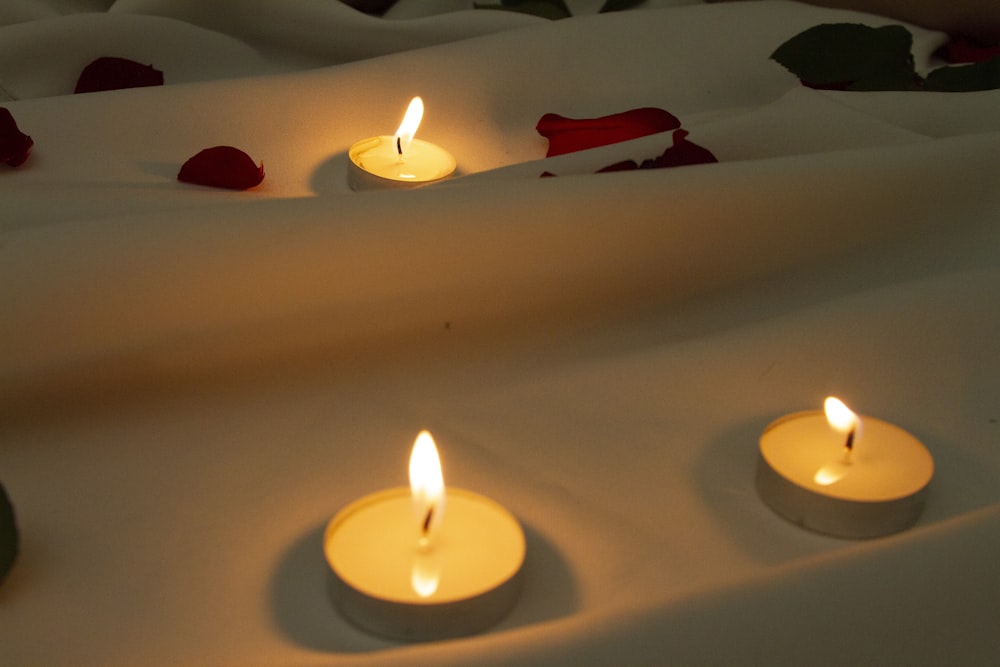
426	573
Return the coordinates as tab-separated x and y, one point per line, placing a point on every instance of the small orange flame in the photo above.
426	483
411	121
840	417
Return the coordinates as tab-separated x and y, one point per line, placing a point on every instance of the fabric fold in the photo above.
323	273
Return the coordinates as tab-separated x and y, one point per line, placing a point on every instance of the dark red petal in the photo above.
222	167
837	85
963	50
376	7
624	165
15	146
682	153
567	135
109	73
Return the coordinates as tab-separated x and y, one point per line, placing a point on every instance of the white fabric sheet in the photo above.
195	380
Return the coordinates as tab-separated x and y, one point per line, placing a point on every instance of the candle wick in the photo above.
849	444
399	146
427	520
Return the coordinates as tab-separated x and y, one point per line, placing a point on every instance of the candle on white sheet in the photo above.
424	562
835	472
399	161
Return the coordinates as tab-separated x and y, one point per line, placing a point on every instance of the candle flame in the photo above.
411	121
840	417
426	484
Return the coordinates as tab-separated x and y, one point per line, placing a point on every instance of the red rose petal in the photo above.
963	50
109	73
624	165
567	135
836	85
681	154
222	167
15	146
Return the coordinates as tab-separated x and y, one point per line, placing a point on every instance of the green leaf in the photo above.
965	78
619	5
549	9
8	534
851	55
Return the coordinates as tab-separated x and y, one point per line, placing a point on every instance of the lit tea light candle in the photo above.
399	161
835	473
424	562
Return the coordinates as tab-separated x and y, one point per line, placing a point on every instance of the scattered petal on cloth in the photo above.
546	9
8	534
681	153
375	7
15	146
963	50
567	135
619	5
624	165
222	167
110	73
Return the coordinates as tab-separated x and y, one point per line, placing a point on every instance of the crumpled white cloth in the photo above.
44	45
194	41
300	126
194	379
